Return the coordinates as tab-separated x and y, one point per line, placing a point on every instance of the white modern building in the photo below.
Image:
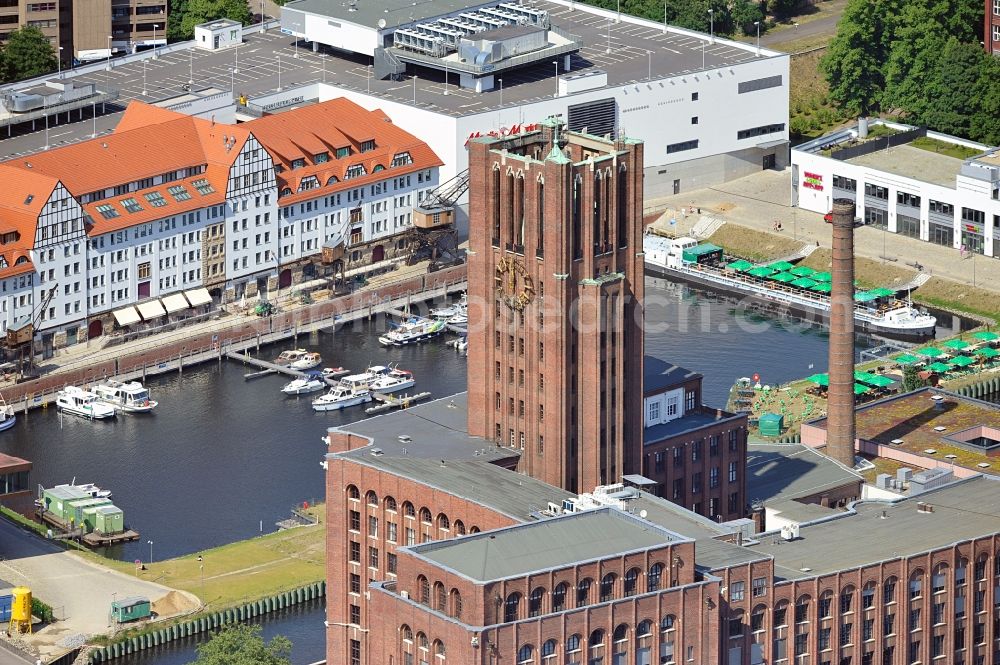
171	212
707	109
903	180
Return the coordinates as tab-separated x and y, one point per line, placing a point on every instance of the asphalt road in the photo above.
262	64
826	24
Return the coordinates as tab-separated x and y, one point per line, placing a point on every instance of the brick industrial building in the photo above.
991	26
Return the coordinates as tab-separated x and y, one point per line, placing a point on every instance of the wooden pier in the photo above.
390	402
93	539
266	367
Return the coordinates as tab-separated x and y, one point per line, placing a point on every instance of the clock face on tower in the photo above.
514	287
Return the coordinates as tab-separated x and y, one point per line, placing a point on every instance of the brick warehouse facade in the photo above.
555	291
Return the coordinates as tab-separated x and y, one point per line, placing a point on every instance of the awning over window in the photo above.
126	316
175	302
198	297
151	310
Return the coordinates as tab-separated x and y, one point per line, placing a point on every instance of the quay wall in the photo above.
152	636
239	337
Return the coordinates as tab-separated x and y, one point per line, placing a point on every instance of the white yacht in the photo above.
413	331
391	380
351	391
7	417
290	356
90	488
304	385
79	402
130	397
307	361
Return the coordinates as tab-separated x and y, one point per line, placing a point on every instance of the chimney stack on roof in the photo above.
840	394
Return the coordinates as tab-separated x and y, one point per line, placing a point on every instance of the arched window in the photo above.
456	604
608	587
583	592
371	498
549	649
332	179
424	589
736	624
474	529
667	635
353	494
422	641
889	591
390	504
526	654
667	623
868	596
619	644
510	607
596	644
916	588
443	523
440	598
781	614
559	597
757	619
653	580
406	633
802	609
982	565
573	643
285	191
940	579
961	571
378	167
825	607
629	586
535	602
439	649
644	629
847	599
408	509
425	515
459	527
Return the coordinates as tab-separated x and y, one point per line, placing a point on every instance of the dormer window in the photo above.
309	182
321	158
10	237
343	152
278	168
20	260
355	171
368	146
402	159
298	163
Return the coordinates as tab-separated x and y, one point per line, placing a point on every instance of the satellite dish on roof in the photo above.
381	23
642	514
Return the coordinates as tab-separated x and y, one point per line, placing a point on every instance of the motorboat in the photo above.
462	344
460	319
80	402
7	417
90	488
307	361
390	380
333	372
346	393
130	397
413	331
290	356
304	385
444	313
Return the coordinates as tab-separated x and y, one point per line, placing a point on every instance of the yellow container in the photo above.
20	611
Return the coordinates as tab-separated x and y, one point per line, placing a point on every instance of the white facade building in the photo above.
905	189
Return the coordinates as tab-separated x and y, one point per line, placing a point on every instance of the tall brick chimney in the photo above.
840	409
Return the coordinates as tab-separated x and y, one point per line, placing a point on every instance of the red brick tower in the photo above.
840	437
555	292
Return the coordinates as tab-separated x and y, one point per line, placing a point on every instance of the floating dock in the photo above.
390	402
266	368
93	539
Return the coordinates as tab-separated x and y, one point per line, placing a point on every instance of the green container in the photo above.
130	609
771	424
109	519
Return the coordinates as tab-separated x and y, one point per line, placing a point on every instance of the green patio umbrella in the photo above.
882	292
907	359
938	367
740	266
823	287
822	276
987	352
956	344
783	277
803	283
962	361
760	271
860	389
802	271
781	265
820	379
986	336
929	352
863	376
864	296
879	381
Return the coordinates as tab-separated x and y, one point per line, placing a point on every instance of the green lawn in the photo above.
943	147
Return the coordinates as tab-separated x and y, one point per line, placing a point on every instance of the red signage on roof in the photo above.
504	131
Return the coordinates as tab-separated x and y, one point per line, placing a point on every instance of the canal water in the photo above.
221	456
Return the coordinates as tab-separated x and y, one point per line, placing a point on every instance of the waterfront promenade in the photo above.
233	332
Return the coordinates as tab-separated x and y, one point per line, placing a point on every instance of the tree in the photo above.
853	62
782	9
911	379
243	645
203	11
951	92
985	122
913	61
745	13
28	53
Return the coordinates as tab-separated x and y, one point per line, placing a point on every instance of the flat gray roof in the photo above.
685	423
911	162
962	511
619	48
441	454
661	374
395	12
779	472
550	544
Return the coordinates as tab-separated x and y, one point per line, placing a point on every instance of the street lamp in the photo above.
155	26
201	569
232	81
236	67
711	25
279	72
59	61
664	15
368	77
108	68
649	65
190	68
150	542
757	23
619	19
556	63
143	78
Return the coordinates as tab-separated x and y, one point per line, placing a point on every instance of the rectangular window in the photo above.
759	586
762	130
682	146
355	552
737	591
107	212
203	186
759	84
179	192
355	586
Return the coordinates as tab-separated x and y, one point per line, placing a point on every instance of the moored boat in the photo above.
343	395
82	403
304	385
413	331
307	361
390	379
130	397
7	418
290	356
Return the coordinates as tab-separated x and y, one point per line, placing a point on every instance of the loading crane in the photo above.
21	334
433	234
